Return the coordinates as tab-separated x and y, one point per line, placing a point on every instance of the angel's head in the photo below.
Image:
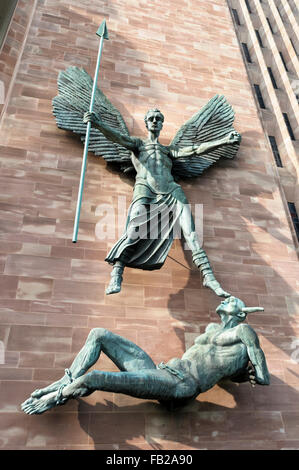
154	120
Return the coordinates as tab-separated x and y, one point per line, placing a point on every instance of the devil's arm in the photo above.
256	355
111	134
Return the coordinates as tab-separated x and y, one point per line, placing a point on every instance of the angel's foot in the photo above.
34	406
116	279
114	285
215	287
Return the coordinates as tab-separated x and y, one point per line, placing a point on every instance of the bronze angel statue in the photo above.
204	139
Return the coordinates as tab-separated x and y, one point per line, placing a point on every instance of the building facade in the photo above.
175	55
269	37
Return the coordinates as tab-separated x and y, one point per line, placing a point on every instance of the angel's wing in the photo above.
69	106
214	121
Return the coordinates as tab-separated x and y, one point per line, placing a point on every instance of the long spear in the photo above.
103	33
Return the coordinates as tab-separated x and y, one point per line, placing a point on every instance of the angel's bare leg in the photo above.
125	354
200	258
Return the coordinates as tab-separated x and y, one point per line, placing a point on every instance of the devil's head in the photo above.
234	307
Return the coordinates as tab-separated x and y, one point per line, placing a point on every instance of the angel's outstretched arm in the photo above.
110	134
231	138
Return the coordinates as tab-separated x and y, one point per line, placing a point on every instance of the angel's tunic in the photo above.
153	220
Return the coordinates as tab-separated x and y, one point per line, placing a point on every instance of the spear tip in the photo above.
103	31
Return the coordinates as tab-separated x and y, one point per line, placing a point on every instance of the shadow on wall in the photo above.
231	416
248	250
229	409
251	263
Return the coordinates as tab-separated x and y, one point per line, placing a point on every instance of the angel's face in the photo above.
154	121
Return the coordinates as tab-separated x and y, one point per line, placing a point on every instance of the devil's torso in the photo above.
216	354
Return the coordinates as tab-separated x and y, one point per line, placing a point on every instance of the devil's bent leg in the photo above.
124	353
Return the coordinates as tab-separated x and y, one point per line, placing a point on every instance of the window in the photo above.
259	37
275	151
272	78
259	96
270	26
248	6
294	217
283	61
286	120
246	52
236	16
7	7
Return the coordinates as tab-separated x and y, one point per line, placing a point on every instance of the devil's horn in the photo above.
252	309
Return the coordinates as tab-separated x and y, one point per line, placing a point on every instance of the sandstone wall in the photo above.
175	55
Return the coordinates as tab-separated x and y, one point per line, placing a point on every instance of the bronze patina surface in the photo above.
204	139
229	350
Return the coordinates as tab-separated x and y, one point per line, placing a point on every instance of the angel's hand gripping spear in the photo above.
208	136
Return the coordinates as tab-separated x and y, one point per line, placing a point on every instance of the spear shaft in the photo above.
103	33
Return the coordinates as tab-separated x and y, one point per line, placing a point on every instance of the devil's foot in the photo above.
114	285
51	388
215	286
36	406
